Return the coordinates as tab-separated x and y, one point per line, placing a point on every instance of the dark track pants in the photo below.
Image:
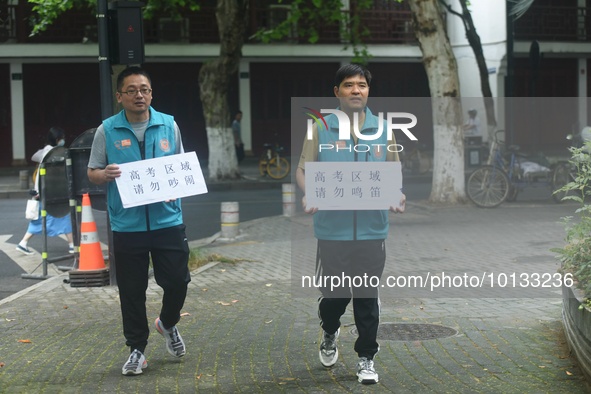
170	256
352	259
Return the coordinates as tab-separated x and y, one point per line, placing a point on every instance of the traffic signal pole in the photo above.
106	103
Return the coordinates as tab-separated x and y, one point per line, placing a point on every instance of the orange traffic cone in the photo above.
91	255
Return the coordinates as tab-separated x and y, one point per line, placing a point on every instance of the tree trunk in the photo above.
442	72
476	44
214	82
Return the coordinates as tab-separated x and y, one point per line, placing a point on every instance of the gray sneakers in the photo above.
329	353
366	372
135	363
174	342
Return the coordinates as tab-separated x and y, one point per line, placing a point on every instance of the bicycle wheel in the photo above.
488	186
512	195
560	177
278	167
513	189
263	162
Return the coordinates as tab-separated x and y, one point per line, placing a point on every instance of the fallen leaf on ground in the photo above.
269	284
185	314
234	301
199	376
567	372
7	319
65	307
223	303
2	364
25	341
269	321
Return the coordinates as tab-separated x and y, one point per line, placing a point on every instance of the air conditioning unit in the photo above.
278	13
173	30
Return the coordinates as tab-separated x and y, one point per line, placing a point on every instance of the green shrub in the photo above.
576	254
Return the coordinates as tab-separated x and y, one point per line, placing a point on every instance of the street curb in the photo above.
44	282
212	187
15	194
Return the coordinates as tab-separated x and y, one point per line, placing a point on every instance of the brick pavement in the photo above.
246	331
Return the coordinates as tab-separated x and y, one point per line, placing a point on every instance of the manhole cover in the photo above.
411	332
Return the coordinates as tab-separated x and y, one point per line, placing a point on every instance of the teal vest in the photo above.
122	146
352	225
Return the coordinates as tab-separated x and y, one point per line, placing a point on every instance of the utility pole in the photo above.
104	61
106	103
510	79
121	41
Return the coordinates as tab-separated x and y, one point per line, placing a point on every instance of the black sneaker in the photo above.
135	363
366	372
174	342
329	353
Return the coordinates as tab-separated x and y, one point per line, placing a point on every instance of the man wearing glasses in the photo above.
155	230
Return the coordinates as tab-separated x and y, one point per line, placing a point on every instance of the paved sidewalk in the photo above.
246	332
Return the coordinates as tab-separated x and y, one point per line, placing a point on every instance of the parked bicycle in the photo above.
508	172
272	162
415	158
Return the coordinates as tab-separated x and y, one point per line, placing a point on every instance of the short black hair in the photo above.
350	70
133	70
55	134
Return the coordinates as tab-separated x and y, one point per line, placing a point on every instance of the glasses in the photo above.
133	92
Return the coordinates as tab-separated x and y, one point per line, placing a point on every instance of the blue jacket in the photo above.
351	225
122	146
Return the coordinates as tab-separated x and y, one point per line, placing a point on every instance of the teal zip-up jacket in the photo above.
122	146
351	225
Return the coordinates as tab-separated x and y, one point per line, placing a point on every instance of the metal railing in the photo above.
384	26
554	23
79	25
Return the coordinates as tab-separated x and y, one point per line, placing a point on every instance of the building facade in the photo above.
53	79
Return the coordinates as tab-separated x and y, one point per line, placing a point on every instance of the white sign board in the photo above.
353	185
164	178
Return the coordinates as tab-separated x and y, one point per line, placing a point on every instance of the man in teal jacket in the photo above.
155	230
350	243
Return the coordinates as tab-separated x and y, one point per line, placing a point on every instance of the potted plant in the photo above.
575	257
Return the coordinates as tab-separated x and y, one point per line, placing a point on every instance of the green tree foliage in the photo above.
576	254
47	11
311	16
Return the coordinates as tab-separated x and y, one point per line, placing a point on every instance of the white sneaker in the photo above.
24	250
366	372
135	363
329	353
174	342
